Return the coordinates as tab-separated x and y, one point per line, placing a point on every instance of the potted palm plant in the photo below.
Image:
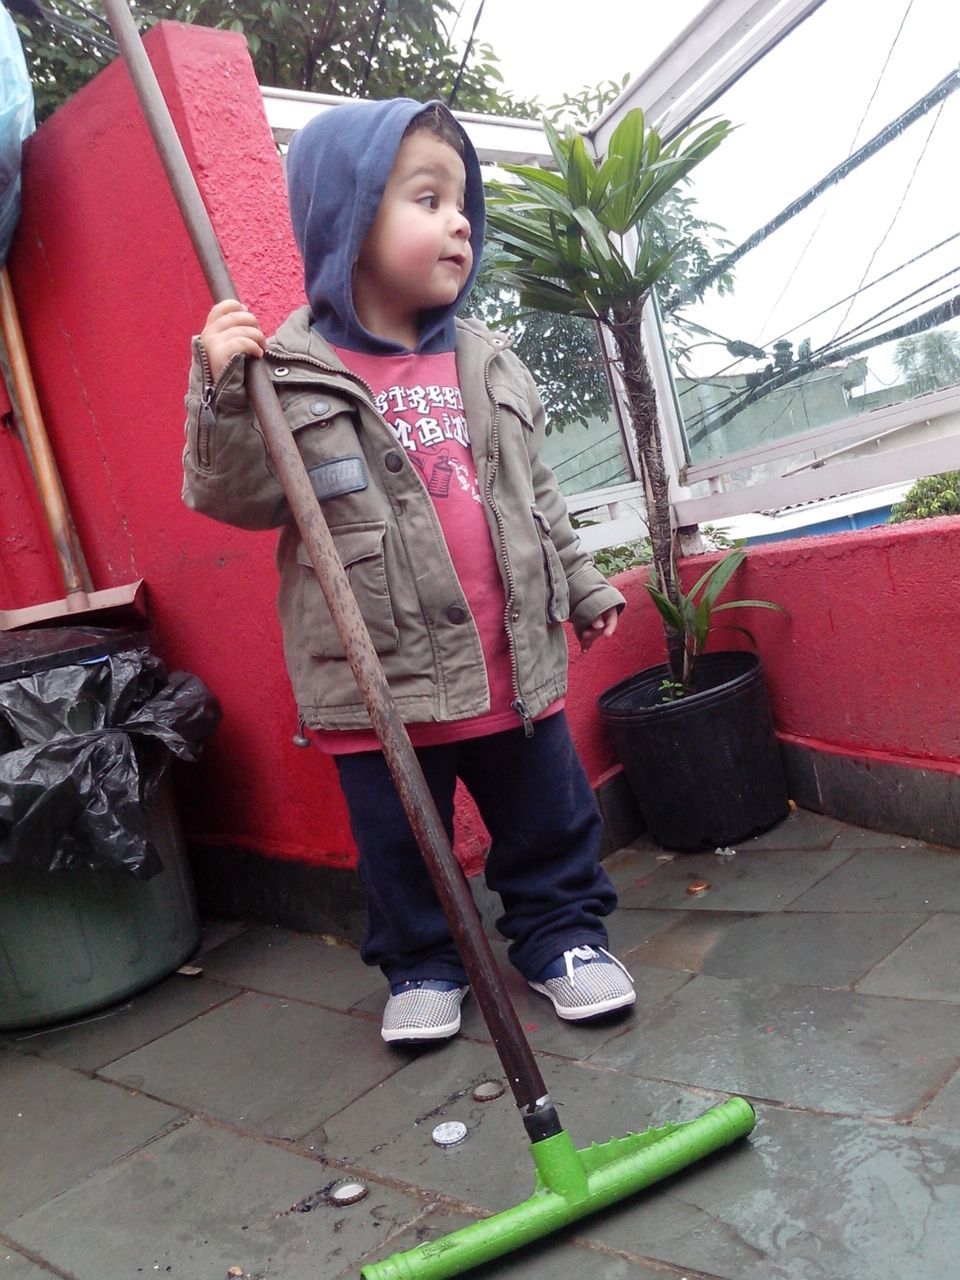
576	240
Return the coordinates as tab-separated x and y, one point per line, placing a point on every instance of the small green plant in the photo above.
670	690
691	618
931	496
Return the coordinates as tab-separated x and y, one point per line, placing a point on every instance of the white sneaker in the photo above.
585	982
422	1011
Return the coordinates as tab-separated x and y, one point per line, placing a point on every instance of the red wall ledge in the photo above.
893	794
865	661
949	768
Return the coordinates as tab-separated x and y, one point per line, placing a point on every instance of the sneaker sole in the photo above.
584	1011
423	1036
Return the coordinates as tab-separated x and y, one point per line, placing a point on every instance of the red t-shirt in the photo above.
419	396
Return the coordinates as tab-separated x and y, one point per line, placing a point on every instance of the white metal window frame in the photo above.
710	54
716	49
496	139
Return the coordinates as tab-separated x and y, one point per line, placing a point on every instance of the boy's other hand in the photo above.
230	330
603	625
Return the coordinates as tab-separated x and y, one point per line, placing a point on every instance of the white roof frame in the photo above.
722	42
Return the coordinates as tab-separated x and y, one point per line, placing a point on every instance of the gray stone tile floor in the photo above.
195	1127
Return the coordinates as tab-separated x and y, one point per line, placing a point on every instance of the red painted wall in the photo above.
110	293
866	658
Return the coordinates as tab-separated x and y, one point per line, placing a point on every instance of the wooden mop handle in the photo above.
73	566
449	881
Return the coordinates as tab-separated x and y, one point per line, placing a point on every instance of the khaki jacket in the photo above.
387	532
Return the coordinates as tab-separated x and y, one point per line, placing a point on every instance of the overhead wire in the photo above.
92	14
456	18
898	210
948	85
850	149
831	351
864	287
937	96
67	26
794	328
826	354
463	61
930	319
870	320
374	40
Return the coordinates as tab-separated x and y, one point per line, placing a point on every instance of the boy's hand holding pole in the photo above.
231	330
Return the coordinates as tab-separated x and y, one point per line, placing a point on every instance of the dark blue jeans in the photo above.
545	830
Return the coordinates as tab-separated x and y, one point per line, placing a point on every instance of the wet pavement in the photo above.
195	1128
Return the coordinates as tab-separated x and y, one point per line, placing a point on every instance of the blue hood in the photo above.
337	168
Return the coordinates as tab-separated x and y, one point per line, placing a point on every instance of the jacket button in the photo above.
515	616
393	462
281	371
320	407
457	614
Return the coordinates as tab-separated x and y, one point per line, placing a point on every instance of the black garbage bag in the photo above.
93	740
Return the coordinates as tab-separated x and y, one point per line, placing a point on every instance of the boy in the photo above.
421	433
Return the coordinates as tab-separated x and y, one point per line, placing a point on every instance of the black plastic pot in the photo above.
705	770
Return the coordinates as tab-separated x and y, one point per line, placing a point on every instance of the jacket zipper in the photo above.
518	704
206	417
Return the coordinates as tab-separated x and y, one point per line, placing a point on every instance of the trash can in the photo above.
96	897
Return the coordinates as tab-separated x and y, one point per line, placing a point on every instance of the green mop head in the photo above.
571	1184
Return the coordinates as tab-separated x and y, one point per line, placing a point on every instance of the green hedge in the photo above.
931	496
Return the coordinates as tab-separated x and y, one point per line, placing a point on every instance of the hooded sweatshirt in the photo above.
337	170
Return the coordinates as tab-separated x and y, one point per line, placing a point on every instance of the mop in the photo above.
570	1183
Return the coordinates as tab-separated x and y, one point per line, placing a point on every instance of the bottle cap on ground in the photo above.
347	1191
487	1090
449	1133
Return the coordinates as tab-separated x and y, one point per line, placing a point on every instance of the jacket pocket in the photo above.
558	590
316	407
508	398
361	552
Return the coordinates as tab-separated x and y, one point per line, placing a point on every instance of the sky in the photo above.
821	94
898	204
877	249
549	50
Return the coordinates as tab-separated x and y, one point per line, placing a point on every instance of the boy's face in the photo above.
417	254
